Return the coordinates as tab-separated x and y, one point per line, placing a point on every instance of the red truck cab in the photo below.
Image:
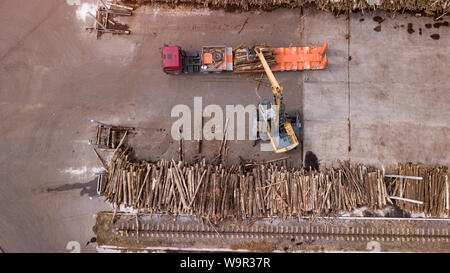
210	59
172	60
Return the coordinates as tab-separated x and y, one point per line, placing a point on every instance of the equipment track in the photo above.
290	235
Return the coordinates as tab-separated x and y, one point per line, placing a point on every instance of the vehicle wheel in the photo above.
217	56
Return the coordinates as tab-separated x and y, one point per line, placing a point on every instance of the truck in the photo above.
217	59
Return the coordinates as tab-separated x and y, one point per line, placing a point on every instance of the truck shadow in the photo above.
88	188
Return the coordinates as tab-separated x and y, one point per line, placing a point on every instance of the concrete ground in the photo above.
385	96
389	103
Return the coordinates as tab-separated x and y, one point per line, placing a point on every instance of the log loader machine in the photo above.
271	120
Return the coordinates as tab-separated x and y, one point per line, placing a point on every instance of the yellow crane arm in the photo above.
276	87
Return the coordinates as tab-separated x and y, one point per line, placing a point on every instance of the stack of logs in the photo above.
243	63
428	7
244	190
433	190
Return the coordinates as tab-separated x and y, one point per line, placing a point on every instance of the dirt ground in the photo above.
384	99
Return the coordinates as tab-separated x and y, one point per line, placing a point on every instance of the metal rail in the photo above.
336	234
264	232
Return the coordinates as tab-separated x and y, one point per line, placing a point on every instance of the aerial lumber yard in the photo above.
225	126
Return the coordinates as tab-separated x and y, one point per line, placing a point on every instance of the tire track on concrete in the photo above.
302	88
348	86
20	43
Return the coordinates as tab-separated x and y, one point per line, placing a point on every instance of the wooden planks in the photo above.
242	190
432	190
241	61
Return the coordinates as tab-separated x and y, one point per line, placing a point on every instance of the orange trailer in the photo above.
220	58
301	58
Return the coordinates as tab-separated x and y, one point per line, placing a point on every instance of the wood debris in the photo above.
216	191
244	62
104	18
248	189
428	7
109	137
430	195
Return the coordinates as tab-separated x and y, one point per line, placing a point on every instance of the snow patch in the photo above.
84	9
73	2
33	106
75	172
373	2
418	215
82	171
152	249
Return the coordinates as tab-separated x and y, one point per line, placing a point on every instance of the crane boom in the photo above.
277	89
284	138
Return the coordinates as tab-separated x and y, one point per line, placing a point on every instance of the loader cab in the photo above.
287	134
172	60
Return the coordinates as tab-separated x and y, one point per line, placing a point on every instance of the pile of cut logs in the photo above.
244	62
432	189
246	190
428	7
